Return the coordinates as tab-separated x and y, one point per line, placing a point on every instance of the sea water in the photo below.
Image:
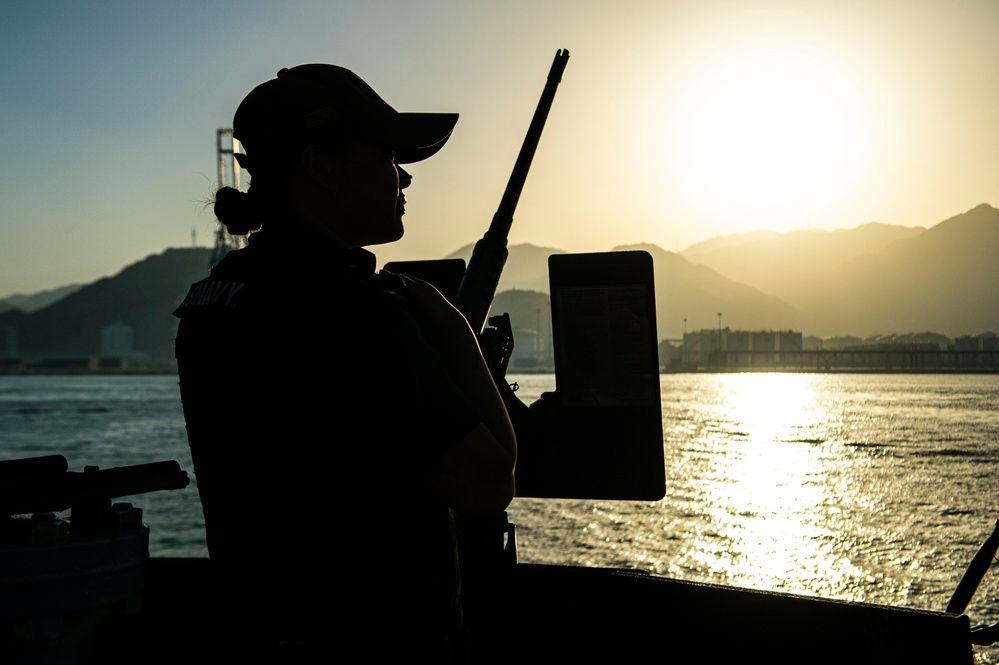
864	487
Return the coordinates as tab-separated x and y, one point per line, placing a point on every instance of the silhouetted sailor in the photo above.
336	416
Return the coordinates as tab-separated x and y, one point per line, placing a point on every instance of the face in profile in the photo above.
369	195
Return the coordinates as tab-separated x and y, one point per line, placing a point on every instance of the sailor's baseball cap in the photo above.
312	102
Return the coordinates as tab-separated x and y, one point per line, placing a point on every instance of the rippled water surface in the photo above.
877	488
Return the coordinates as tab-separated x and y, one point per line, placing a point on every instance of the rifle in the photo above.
478	285
486	559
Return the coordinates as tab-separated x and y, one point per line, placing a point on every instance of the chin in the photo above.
398	232
386	238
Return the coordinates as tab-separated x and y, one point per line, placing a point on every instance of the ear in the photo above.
320	166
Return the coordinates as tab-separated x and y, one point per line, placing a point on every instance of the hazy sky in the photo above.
676	120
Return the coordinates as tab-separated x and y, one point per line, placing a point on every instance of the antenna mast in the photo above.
228	171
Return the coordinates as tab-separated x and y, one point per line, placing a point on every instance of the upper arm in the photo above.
477	476
424	434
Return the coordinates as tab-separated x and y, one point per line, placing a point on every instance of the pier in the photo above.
865	360
726	350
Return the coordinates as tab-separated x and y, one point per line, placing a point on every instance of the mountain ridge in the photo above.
873	279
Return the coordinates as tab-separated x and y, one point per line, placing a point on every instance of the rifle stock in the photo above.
478	285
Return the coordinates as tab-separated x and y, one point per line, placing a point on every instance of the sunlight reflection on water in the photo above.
768	488
874	488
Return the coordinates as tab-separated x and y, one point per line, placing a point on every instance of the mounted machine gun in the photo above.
60	578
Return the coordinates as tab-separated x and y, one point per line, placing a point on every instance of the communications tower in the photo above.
228	167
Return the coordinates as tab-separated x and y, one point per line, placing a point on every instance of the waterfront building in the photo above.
741	348
700	347
8	342
117	341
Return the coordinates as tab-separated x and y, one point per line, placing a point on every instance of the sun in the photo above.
767	131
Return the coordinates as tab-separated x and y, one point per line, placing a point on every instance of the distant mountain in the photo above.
691	296
36	301
796	266
143	295
876	278
530	317
683	291
526	266
527	309
708	247
943	280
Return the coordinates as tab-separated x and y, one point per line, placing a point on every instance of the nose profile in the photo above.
405	179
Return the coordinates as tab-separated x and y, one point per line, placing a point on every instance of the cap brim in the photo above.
416	136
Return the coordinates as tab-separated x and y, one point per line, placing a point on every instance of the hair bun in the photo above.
234	209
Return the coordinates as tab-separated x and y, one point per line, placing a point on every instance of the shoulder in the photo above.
236	280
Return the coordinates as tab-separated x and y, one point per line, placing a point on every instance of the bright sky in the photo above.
677	120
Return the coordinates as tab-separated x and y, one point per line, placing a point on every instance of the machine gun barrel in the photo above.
478	286
32	466
50	492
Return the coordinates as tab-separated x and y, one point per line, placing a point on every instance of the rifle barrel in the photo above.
511	196
478	286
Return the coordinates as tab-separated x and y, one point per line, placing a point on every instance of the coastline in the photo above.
166	370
